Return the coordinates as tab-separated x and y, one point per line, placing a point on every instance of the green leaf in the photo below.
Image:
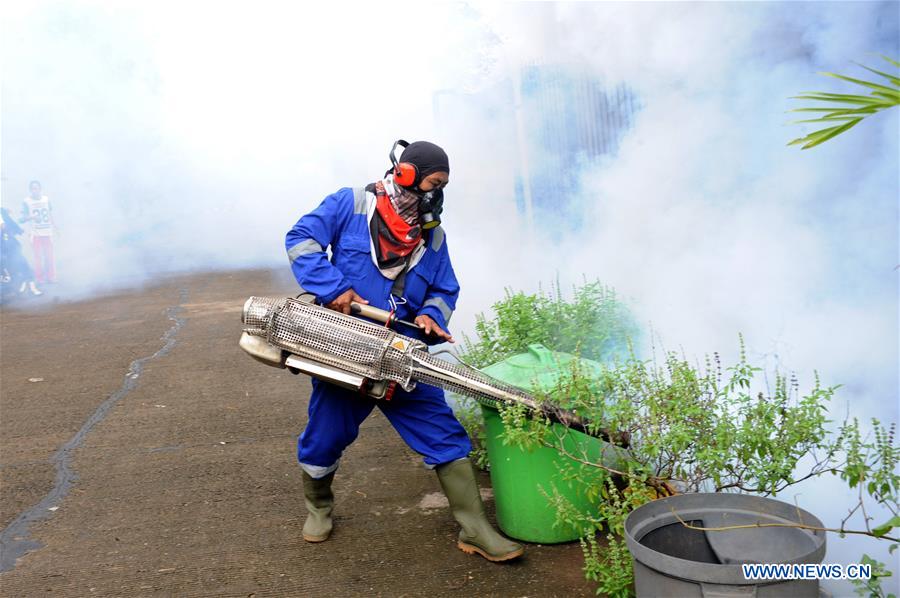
839	110
893	96
822	109
838	97
825	134
884	528
824	119
869	84
849	114
891	60
892	548
891	78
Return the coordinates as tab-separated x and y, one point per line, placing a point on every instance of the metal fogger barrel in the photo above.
368	358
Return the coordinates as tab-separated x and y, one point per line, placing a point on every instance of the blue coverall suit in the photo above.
421	416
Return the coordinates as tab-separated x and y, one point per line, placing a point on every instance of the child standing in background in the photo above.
36	210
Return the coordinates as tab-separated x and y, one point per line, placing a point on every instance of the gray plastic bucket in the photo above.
673	560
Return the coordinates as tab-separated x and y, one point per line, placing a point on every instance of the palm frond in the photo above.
891	78
849	109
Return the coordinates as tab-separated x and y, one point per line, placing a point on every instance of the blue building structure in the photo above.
569	120
538	129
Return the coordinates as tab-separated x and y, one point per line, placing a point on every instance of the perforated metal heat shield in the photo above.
377	353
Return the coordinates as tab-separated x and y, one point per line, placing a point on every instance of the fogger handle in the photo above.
373	313
379	315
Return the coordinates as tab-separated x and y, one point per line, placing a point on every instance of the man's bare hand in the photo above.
430	327
342	302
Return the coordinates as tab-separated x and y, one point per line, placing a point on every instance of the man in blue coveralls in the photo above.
388	250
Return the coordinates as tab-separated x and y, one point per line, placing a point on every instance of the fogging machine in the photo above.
370	359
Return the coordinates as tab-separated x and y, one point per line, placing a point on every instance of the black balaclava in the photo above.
428	158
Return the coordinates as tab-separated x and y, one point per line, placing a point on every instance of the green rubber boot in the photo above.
319	502
477	534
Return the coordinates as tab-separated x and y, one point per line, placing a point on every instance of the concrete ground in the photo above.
142	454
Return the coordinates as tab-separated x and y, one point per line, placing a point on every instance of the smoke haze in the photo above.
185	137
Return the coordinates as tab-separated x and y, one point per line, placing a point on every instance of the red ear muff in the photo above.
406	174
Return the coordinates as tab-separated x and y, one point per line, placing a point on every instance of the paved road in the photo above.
141	453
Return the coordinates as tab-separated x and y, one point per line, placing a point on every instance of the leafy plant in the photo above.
871	588
593	322
469	415
693	428
688	427
844	111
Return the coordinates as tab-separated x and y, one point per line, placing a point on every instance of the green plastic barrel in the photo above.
524	479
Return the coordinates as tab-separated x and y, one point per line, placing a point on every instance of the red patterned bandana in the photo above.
394	227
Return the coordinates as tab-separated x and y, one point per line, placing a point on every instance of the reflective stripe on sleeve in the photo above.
441	306
302	248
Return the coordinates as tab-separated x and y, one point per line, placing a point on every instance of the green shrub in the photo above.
693	428
688	427
593	323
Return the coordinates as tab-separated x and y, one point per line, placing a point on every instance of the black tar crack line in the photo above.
15	540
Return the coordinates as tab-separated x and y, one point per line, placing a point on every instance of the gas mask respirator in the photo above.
431	204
